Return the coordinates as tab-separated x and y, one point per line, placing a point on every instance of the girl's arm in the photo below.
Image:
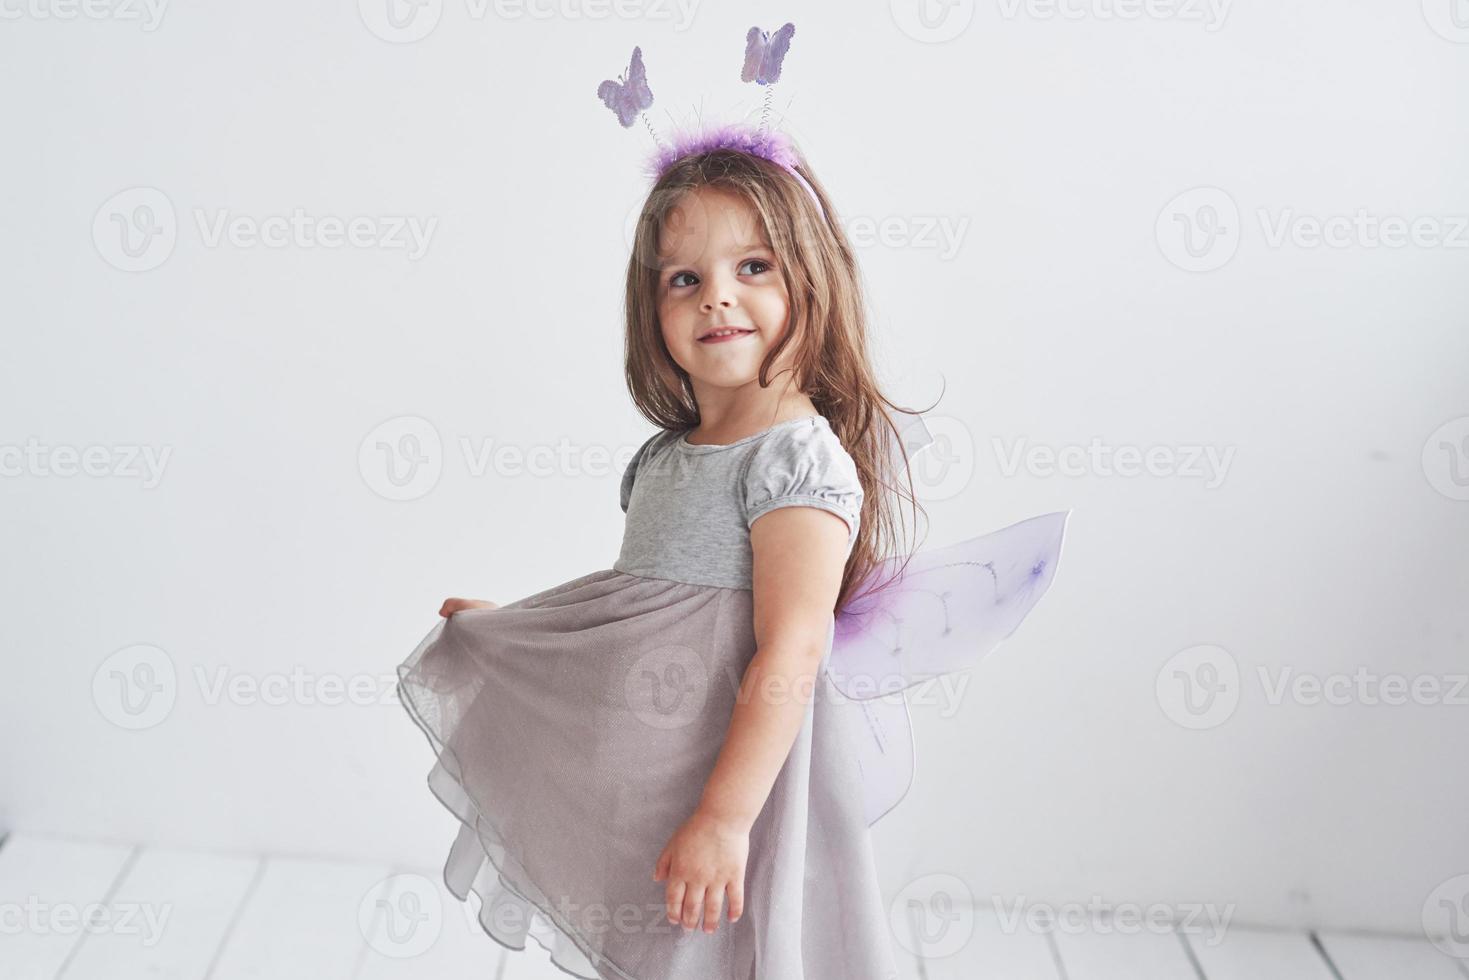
799	556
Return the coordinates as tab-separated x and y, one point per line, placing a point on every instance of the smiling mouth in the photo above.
724	333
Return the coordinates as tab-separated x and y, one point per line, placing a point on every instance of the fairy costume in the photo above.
575	728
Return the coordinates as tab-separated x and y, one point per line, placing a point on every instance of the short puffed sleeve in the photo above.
804	466
630	475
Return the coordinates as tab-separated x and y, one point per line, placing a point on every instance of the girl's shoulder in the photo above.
803	464
799	461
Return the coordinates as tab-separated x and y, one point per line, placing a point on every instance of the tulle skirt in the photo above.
574	731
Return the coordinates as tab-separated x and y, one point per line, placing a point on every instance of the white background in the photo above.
1054	142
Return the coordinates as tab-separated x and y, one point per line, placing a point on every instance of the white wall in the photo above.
1055	148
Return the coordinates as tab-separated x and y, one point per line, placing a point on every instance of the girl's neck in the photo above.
719	426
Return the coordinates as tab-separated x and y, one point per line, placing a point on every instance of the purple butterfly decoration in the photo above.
764	53
629	95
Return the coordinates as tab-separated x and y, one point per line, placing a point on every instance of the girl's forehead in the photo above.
707	218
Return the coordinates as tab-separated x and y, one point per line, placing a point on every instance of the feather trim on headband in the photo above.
774	146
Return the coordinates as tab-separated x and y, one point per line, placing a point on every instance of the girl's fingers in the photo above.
661	868
675	899
712	904
736	900
693	901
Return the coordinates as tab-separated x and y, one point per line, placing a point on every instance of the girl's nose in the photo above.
717	292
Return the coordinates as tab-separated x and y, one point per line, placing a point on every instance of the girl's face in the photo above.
718	272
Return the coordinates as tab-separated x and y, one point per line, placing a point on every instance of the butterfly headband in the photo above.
629	97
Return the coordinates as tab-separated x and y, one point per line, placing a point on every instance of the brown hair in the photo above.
828	323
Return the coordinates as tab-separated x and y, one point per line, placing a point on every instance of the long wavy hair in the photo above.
827	325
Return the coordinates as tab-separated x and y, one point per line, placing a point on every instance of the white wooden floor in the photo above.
91	911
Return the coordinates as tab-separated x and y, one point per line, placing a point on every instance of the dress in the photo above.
574	730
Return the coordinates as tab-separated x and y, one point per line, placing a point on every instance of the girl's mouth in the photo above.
722	335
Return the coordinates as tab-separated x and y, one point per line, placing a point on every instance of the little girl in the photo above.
650	779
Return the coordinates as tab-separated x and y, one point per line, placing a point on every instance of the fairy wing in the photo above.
949	608
946	610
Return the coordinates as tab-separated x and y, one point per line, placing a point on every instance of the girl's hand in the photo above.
704	858
452	606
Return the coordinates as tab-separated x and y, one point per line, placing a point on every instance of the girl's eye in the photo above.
763	266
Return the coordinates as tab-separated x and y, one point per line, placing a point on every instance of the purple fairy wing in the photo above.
880	734
764	54
631	96
949	608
